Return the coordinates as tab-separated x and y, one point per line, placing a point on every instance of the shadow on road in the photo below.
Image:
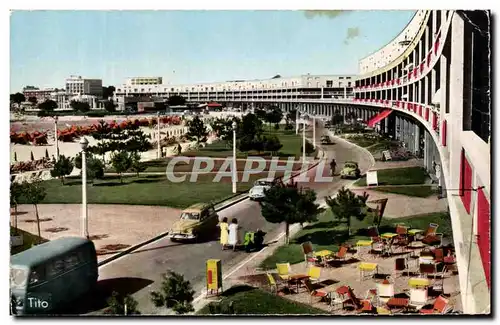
95	301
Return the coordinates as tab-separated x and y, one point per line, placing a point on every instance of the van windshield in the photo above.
18	277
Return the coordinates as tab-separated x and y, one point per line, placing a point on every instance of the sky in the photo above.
192	46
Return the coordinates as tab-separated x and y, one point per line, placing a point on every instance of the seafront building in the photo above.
429	88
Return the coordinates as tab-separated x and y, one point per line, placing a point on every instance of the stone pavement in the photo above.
122	225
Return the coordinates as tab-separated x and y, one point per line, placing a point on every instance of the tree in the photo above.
32	100
31	156
17	98
351	116
122	305
274	116
160	106
47	106
15	156
137	166
175	293
291	116
223	128
95	167
47	153
34	193
176	100
272	144
347	205
16	192
249	126
79	106
197	130
289	204
260	113
108	92
109	106
121	162
62	168
309	148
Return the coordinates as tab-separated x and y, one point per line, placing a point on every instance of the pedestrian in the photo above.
333	165
233	233
223	232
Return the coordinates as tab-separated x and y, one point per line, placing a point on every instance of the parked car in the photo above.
257	191
350	170
325	139
197	221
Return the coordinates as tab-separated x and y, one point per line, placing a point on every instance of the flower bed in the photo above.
32	165
35	138
69	134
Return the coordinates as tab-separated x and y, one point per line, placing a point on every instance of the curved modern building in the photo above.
429	88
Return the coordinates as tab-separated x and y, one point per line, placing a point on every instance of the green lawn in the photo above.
145	190
28	241
417	191
327	233
291	142
398	176
252	301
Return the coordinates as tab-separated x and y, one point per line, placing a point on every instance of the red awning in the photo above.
379	117
214	105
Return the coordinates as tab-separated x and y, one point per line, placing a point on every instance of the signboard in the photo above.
214	276
371	178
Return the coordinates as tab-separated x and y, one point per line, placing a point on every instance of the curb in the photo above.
372	159
162	235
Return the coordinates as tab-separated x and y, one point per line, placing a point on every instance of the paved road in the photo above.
140	272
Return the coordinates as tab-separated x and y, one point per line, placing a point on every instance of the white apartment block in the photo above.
76	85
144	81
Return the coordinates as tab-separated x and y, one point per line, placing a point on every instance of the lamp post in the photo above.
85	227
158	154
235	125
56	139
314	129
303	139
296	120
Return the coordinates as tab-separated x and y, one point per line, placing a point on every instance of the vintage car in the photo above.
325	139
195	222
257	191
350	170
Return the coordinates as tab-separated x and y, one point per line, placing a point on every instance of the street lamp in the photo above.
235	125
314	129
56	139
303	139
296	120
158	154
85	226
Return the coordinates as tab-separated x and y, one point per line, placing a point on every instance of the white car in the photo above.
257	191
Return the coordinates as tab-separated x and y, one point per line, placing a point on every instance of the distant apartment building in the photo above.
40	94
76	85
144	81
243	92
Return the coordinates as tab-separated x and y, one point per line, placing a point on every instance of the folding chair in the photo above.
273	286
400	265
314	273
441	306
385	291
308	250
418	298
284	270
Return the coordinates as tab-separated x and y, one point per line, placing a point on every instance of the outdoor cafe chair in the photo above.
308	251
418	298
314	273
440	306
385	291
313	292
284	270
273	285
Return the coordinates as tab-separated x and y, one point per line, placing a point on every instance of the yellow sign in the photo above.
214	275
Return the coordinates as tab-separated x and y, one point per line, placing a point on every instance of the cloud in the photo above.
352	33
327	13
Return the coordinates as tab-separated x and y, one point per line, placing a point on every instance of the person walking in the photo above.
333	165
233	233
224	232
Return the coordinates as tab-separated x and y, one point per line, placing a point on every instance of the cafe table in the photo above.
388	235
413	232
419	282
297	279
323	253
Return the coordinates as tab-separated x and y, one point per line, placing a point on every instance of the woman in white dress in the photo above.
233	233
